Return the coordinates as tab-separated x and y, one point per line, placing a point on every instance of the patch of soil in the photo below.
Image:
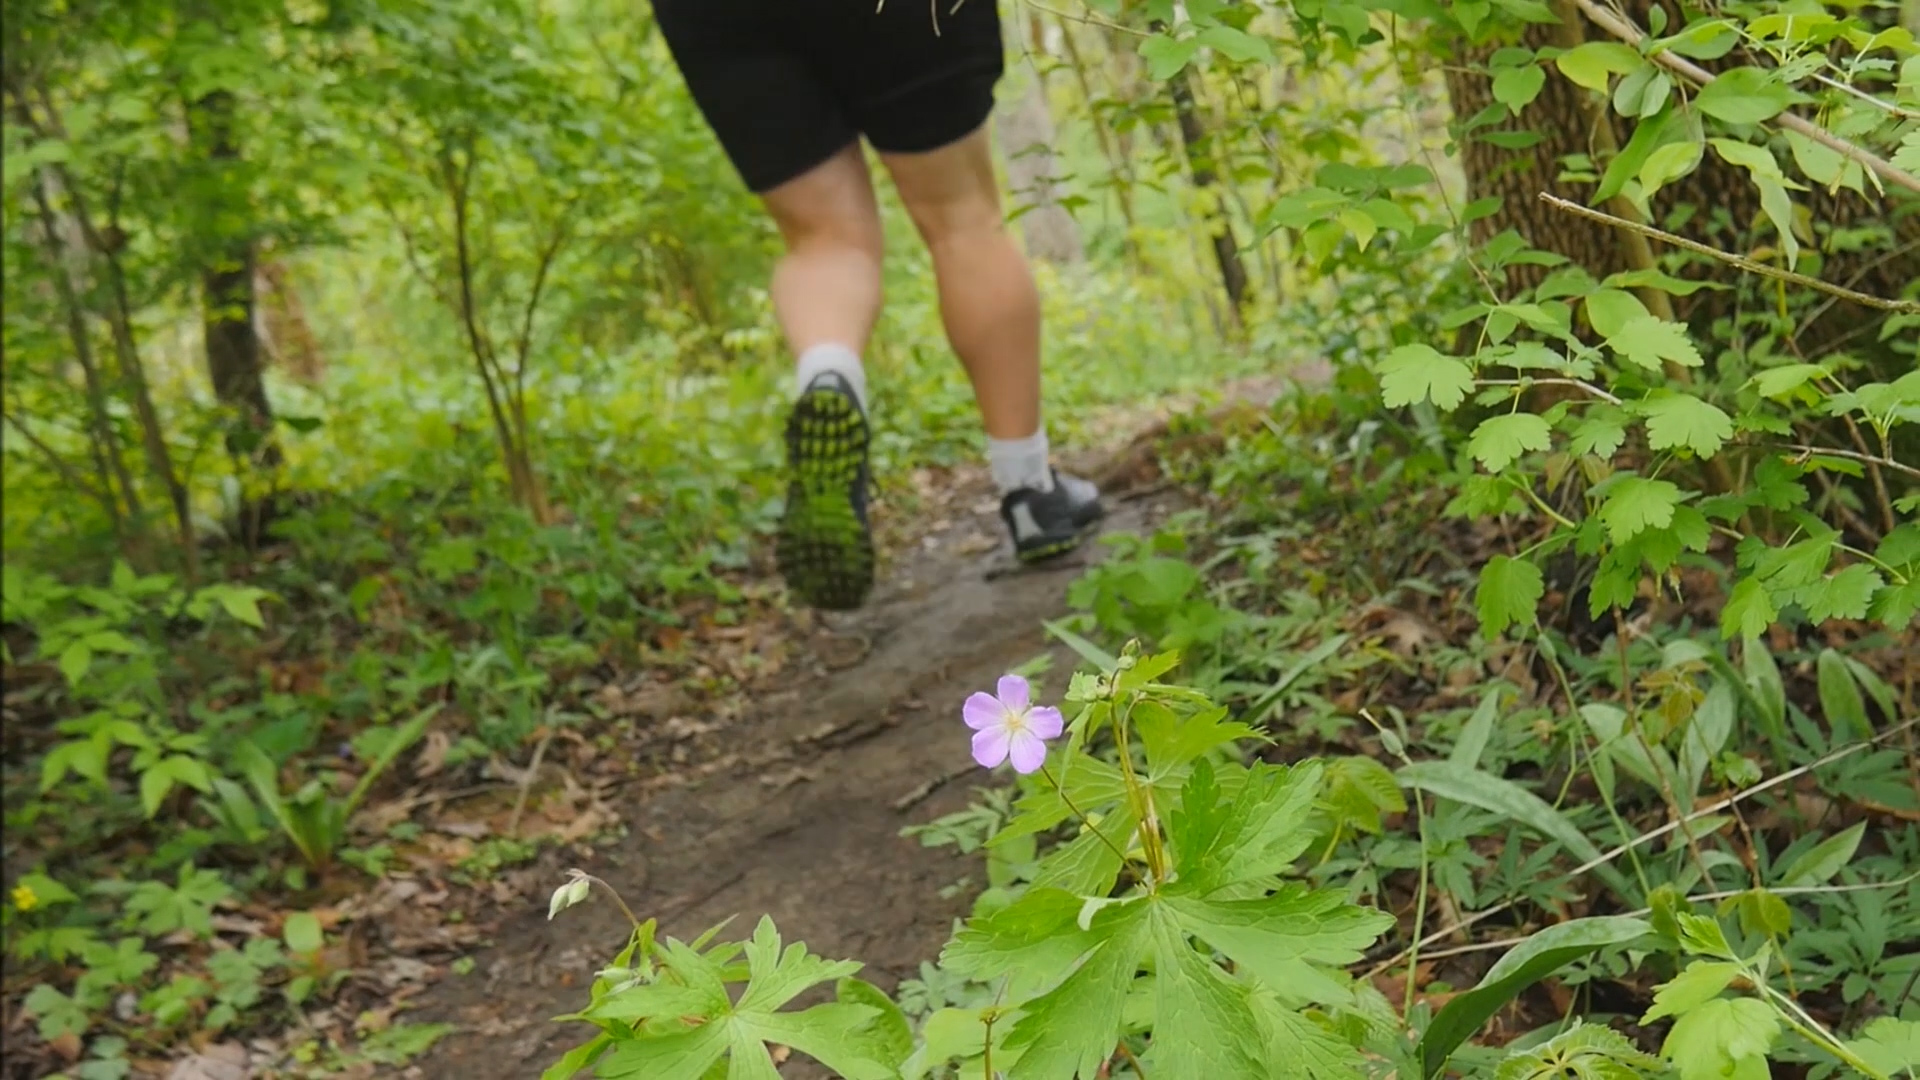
800	820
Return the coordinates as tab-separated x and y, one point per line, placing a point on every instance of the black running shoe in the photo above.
1050	523
825	548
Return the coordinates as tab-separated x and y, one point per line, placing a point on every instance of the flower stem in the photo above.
1142	797
1079	814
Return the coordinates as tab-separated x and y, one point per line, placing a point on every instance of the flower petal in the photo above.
1027	751
990	746
1046	722
983	711
1015	694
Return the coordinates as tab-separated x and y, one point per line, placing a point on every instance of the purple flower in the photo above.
1007	726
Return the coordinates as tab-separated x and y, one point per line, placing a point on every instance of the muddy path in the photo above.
804	824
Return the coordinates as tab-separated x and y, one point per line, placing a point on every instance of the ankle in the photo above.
831	359
1020	464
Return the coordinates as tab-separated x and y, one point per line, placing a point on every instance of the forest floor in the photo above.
791	802
798	809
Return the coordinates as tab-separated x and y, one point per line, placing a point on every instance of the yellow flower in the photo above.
24	898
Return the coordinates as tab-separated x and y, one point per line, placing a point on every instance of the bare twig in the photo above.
1579	383
1652	835
1905	307
1828	451
526	784
1624	29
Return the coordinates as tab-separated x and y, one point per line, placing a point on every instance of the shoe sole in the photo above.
824	550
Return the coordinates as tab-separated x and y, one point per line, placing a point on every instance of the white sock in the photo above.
818	360
1020	463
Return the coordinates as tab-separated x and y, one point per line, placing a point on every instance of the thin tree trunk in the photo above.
103	442
1122	168
1026	140
227	315
1226	248
510	431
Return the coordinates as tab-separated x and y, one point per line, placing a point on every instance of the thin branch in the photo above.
1648	837
1624	29
1888	106
60	465
1090	20
1555	381
1851	455
1905	307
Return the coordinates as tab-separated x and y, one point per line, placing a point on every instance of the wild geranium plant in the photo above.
1161	936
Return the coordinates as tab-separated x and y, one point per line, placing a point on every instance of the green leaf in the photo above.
1202	1023
1701	982
1820	863
1582	1052
1897	605
75	661
1236	45
1907	157
1723	1038
1525	964
1635	503
578	1058
46	891
1682	420
1272	935
1071	1029
1648	340
849	1039
1516	87
1499	441
303	933
1165	56
1845	595
1840	699
1669	163
1609	310
1749	611
1259	833
1744	95
1647	136
1781	381
1890	1045
1601	434
1501	796
1413	373
1509	595
1591	64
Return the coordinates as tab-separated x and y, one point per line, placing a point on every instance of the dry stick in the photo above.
1905	307
526	784
1626	31
1648	837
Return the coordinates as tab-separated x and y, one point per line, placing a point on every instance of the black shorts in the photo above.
786	84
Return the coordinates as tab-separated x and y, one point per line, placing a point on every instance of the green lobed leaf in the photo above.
1677	420
1509	594
1414	373
1648	341
1499	441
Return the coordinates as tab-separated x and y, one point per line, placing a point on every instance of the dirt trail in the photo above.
811	838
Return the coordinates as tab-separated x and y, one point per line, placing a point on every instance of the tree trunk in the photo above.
280	322
1226	248
1026	140
227	297
1722	205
